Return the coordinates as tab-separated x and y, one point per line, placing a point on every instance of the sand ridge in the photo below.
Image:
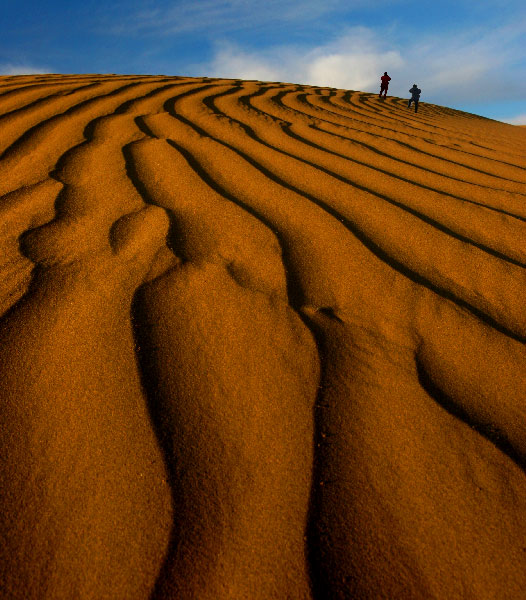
258	340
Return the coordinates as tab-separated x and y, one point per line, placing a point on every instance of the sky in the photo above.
465	54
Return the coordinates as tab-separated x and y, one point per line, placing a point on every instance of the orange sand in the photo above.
258	341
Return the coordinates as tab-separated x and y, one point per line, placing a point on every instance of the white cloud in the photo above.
352	62
518	120
12	69
476	65
241	65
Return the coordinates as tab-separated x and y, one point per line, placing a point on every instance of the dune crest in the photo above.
258	340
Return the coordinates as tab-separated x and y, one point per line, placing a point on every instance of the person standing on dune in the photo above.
385	79
415	96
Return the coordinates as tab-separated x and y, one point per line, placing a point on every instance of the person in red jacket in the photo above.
385	79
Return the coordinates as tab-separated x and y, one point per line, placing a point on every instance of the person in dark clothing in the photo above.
385	79
415	96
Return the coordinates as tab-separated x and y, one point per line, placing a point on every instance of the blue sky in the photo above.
466	54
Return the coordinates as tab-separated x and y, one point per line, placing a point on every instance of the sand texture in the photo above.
258	341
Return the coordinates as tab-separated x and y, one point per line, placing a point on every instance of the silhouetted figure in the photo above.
385	79
415	97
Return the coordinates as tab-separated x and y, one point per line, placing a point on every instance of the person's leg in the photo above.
416	105
409	103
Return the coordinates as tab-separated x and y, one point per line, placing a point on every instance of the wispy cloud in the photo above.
476	64
182	17
22	69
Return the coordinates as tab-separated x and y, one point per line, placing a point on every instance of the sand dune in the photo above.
258	340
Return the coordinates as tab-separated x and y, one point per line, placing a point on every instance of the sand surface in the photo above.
258	341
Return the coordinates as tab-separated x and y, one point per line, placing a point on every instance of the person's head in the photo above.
385	73
414	85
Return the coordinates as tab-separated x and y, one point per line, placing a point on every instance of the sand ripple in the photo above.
258	340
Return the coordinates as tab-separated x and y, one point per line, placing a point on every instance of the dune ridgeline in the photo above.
258	341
